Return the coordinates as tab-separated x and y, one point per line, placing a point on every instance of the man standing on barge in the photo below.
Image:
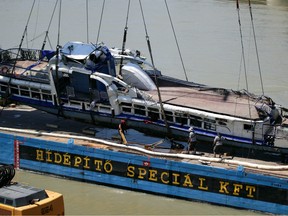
192	141
217	145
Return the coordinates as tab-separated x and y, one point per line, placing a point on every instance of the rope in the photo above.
155	76
36	23
58	100
124	39
87	20
8	90
245	70
46	35
24	33
256	48
180	55
100	22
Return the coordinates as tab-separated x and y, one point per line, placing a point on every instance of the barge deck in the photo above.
41	142
24	120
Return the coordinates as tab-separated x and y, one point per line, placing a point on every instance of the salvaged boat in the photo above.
19	199
80	81
82	84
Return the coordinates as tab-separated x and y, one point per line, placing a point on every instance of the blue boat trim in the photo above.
49	104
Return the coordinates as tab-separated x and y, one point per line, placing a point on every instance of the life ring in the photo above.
4	69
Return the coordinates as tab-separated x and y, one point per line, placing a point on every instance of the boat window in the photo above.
35	90
3	88
74	103
248	127
99	92
64	82
80	83
24	88
47	97
181	118
24	93
139	110
153	113
195	121
46	91
126	107
95	95
169	116
209	124
222	123
104	97
70	91
14	89
220	119
36	95
126	104
106	109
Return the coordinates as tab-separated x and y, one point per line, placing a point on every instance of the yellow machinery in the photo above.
18	199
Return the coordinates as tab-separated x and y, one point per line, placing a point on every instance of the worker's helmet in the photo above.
191	129
123	121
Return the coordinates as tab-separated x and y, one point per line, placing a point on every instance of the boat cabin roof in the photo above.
77	50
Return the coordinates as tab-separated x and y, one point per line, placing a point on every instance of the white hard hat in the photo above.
191	129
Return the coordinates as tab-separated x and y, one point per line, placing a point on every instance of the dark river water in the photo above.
208	36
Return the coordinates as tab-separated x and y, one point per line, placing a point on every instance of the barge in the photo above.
239	182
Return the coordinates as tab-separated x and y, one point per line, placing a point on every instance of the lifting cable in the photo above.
256	48
24	33
243	53
58	100
87	21
8	90
124	39
36	24
155	76
47	31
100	22
180	55
245	70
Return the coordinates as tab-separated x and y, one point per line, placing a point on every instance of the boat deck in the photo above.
27	69
44	126
217	101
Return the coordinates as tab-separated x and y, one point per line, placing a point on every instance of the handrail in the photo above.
25	53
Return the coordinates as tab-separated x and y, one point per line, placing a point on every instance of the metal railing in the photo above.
24	54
